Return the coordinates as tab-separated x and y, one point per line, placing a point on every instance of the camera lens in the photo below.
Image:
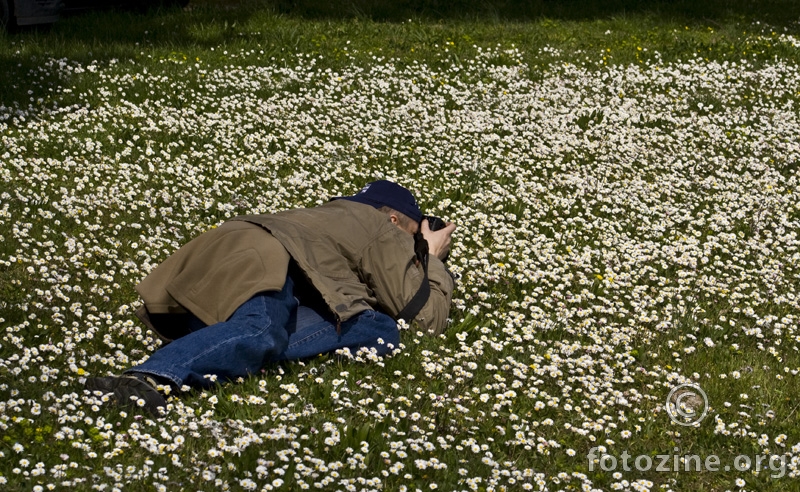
435	223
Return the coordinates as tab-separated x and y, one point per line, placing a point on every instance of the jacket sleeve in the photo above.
390	271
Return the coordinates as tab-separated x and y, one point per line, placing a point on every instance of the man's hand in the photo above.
438	241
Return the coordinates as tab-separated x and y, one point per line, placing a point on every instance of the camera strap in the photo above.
414	306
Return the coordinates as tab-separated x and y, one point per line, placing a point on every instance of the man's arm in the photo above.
432	318
390	270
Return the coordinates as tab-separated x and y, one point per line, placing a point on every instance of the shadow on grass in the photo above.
777	12
207	23
103	34
131	34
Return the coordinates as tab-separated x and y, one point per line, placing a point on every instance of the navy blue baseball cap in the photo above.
386	193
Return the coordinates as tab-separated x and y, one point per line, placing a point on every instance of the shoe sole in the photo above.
124	388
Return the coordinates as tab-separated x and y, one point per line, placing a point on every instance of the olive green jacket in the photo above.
351	253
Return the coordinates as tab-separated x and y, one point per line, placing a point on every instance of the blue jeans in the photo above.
271	326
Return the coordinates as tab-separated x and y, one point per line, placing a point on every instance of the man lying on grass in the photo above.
288	286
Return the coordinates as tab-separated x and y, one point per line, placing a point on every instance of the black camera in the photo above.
434	223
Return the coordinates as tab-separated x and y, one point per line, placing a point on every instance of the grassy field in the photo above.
625	179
